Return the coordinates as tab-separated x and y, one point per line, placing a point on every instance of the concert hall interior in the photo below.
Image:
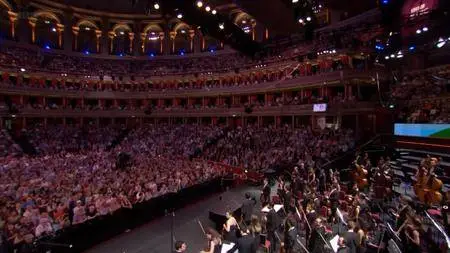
224	126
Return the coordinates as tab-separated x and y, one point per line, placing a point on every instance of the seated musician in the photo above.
412	233
231	228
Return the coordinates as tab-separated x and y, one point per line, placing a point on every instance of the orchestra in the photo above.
319	213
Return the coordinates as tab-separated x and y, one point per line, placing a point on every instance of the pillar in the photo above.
172	40
143	39
75	31
105	36
161	42
12	22
111	36
32	23
60	30
131	37
68	33
191	40
98	35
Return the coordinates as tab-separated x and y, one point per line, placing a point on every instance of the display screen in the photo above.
320	108
423	130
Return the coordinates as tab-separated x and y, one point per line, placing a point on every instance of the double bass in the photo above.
360	175
428	187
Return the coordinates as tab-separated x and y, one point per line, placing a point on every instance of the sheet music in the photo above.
227	246
275	207
334	243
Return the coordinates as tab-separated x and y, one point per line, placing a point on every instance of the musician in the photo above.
413	236
342	247
256	229
272	223
290	235
351	238
231	228
287	197
265	196
247	208
316	244
180	246
245	244
215	245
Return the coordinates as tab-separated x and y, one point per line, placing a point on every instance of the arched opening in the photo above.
182	41
153	40
87	41
211	44
46	33
121	43
245	22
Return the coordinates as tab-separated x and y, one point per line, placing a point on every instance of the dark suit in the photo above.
247	210
245	244
271	226
290	239
351	241
287	201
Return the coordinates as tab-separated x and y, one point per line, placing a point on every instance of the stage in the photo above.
154	237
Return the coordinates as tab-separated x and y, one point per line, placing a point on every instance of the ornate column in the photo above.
191	40
12	21
131	37
60	30
161	42
98	35
32	22
253	30
75	31
143	37
172	38
111	36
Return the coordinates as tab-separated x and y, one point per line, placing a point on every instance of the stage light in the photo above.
47	47
86	52
180	16
300	21
211	50
244	22
121	33
207	9
425	29
120	54
386	57
221	26
334	51
418	31
400	56
441	43
181	53
152	55
308	19
214	12
199	4
156	6
385	1
22	69
392	55
294	1
183	31
412	48
87	28
47	22
53	29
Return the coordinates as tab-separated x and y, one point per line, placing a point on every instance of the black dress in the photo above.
231	236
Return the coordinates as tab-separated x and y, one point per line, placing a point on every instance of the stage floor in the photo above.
154	237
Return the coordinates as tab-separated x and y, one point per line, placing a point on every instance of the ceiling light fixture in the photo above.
221	26
156	6
87	28
308	19
441	43
180	16
207	9
294	1
199	4
214	12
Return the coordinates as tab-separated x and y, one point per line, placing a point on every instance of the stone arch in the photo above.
152	27
47	14
121	26
180	26
88	23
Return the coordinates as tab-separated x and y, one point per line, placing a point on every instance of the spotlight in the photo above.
385	1
211	50
199	4
86	52
152	55
122	33
294	1
425	29
53	29
156	6
400	56
308	19
418	31
412	48
47	22
181	53
244	22
22	69
183	31
221	26
392	55
87	28
214	12
180	16
386	57
47	47
300	21
207	9
441	43
334	51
